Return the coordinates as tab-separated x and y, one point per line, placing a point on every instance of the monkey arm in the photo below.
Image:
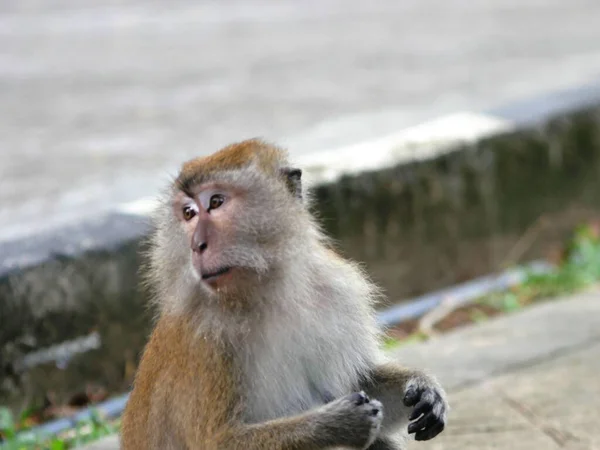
352	421
401	389
292	433
382	443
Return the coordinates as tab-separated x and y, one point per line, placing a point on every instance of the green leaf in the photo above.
510	302
57	445
390	342
26	413
7	423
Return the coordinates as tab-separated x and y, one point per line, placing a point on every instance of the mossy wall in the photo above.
417	227
509	198
63	300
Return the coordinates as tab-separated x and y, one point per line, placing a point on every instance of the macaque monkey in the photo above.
265	339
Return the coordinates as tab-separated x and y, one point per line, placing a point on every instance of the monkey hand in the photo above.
430	407
356	419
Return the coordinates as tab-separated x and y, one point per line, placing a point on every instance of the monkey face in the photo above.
229	231
230	222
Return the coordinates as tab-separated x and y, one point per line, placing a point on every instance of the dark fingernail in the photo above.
359	398
410	397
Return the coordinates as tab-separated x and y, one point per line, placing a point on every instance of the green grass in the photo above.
579	269
390	343
18	438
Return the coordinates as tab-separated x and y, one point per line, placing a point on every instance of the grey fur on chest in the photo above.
291	384
295	372
315	349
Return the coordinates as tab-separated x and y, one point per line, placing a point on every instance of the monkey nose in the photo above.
199	243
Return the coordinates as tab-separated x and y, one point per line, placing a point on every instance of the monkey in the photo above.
265	336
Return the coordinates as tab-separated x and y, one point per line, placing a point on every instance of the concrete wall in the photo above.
508	198
76	300
418	225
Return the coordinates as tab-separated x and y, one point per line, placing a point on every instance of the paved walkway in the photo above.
551	405
525	381
99	100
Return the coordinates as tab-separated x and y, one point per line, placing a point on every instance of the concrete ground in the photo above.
551	405
100	100
524	381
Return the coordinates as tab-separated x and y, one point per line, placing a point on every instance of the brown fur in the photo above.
178	369
235	156
185	392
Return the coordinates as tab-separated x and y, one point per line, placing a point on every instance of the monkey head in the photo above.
231	220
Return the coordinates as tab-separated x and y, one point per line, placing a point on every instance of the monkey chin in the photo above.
218	279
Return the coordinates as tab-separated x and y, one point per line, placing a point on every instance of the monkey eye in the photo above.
188	213
211	200
215	201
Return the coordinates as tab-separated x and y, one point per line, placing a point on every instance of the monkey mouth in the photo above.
208	276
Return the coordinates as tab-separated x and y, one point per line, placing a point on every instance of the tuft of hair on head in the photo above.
268	158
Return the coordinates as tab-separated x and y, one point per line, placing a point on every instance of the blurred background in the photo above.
478	122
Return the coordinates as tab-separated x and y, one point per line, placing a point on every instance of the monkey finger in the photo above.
430	433
359	398
428	420
423	407
411	397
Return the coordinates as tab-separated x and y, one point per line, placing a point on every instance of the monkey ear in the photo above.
293	180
